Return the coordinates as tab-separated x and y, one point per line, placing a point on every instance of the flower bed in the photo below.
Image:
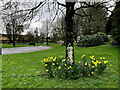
58	67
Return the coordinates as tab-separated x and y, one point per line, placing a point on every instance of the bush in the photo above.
91	40
114	43
58	67
104	36
116	35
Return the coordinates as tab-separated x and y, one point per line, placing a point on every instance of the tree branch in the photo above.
81	15
61	4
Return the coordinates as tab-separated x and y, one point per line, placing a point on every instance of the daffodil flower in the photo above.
88	74
92	72
85	64
100	57
105	62
103	57
45	64
59	67
37	72
110	64
53	64
93	66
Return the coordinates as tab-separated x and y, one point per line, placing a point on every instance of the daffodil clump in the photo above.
58	67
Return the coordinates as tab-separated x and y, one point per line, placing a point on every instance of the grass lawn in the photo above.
19	70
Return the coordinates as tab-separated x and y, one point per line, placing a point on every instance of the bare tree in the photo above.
13	23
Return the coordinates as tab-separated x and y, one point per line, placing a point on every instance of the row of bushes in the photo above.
93	40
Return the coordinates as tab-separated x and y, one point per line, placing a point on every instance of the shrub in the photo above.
58	67
91	40
104	36
116	35
114	43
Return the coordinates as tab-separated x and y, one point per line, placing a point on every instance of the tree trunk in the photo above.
13	24
13	39
47	41
69	32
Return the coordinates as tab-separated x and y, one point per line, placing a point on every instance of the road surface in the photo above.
7	51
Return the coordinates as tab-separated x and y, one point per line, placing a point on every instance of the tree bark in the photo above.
13	33
69	32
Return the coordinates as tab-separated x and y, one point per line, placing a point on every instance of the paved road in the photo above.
7	51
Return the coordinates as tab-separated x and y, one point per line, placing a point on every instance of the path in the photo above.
7	51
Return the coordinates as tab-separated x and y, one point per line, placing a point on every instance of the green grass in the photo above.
19	70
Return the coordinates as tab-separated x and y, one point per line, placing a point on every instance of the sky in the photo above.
38	24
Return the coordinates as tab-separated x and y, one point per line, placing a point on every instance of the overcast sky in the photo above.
44	16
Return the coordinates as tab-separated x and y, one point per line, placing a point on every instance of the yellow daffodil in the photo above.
100	57
54	59
59	67
96	61
57	63
51	57
96	65
103	57
37	72
53	64
92	57
110	64
92	61
88	74
82	56
93	66
47	70
70	66
99	62
92	72
79	61
65	64
42	61
63	60
85	64
45	64
105	62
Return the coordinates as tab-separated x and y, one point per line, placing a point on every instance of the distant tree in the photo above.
9	32
42	37
36	35
55	38
13	21
59	28
93	21
113	25
46	27
30	37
